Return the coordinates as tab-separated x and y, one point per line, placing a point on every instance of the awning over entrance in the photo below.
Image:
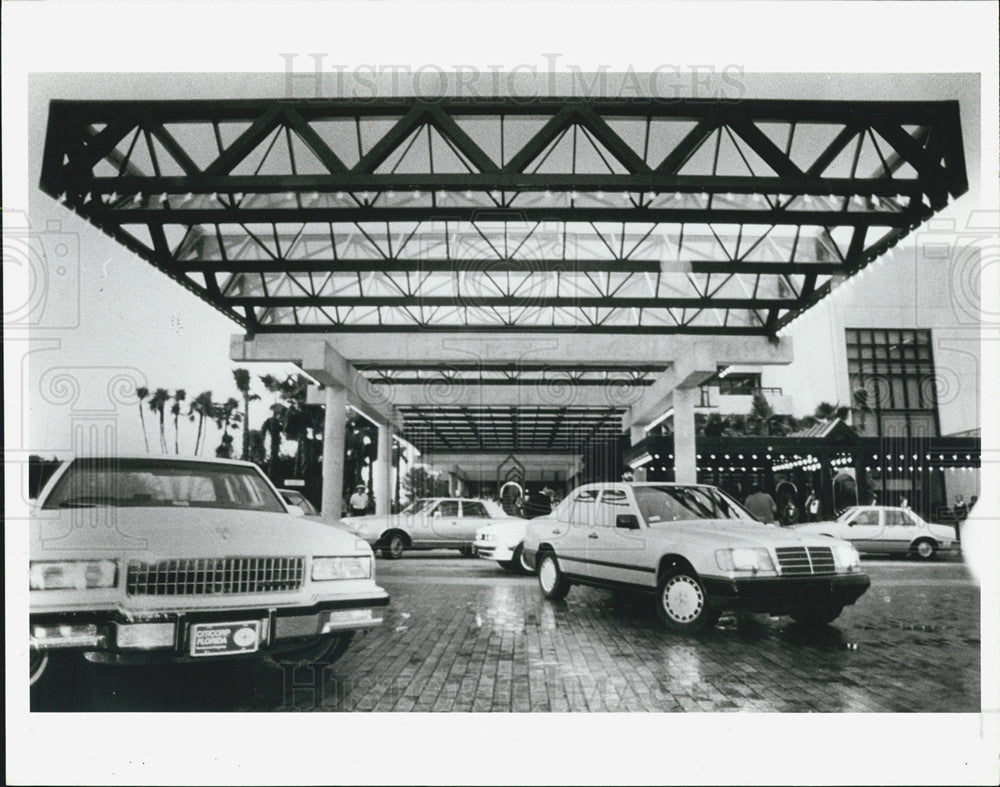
554	215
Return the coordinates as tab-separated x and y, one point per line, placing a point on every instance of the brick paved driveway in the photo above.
462	635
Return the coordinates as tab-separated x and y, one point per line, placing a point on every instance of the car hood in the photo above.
736	533
182	532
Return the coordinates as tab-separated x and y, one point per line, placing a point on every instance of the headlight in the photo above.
326	568
743	559
67	574
845	557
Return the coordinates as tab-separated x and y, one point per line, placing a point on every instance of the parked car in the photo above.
504	542
295	498
427	523
150	559
886	530
694	547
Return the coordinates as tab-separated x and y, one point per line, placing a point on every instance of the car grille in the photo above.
805	560
215	576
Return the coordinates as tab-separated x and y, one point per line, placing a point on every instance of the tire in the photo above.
467	552
817	616
520	562
394	546
37	661
682	603
551	580
925	549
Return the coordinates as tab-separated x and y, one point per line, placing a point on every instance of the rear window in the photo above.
157	483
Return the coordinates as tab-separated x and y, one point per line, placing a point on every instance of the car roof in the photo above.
214	460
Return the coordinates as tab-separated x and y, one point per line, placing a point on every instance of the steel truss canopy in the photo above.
521	429
504	215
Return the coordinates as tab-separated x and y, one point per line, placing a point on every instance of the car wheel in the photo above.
37	661
520	562
551	580
818	615
682	603
925	549
394	546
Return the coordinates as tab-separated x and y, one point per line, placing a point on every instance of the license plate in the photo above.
219	639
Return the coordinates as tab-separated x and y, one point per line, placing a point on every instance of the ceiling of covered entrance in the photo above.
505	216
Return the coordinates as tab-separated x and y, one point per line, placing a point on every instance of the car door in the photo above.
864	530
616	555
474	516
445	523
899	531
572	548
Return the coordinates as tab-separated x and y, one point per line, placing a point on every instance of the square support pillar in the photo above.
334	429
382	479
685	454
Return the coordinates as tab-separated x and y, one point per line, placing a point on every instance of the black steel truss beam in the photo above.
88	139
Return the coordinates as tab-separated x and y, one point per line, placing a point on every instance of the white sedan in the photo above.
886	530
138	560
427	523
504	542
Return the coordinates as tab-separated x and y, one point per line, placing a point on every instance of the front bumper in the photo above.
493	551
781	595
119	637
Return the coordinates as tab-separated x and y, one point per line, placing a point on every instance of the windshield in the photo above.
674	503
144	483
417	505
848	514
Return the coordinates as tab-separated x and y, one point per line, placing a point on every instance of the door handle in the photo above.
592	535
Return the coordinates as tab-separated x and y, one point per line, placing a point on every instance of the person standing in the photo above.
359	501
761	505
961	508
811	506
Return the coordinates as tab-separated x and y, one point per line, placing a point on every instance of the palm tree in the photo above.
242	378
141	393
157	404
226	415
175	411
201	406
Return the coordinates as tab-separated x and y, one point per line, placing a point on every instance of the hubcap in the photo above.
925	549
683	599
396	546
547	574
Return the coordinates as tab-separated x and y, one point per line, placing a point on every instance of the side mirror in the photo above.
296	510
627	522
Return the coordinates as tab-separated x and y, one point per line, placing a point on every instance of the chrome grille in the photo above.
805	560
215	576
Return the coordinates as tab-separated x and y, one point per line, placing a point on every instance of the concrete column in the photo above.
685	455
636	434
334	427
383	470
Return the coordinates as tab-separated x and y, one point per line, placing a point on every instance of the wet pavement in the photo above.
463	635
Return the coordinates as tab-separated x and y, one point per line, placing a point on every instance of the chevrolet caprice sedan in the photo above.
696	549
150	559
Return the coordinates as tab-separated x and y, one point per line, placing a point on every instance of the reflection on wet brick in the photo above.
480	640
